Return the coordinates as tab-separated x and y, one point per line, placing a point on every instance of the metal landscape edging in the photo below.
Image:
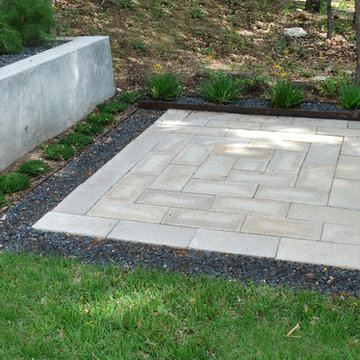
163	105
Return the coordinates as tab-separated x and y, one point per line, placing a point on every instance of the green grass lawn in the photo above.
55	308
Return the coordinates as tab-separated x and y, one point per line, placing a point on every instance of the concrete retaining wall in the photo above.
45	94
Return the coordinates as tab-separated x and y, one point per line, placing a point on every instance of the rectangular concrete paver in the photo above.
291	194
264	178
282	228
75	224
173	117
323	154
286	162
301	129
351	146
234	124
233	204
173	178
172	143
215	167
324	214
193	154
348	167
235	243
156	234
220	188
345	194
316	177
342	234
176	199
153	163
318	252
204	219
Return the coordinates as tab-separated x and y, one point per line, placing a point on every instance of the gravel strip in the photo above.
17	235
27	52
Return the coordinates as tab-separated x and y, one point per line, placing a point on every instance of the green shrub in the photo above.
78	140
10	39
13	182
220	88
163	86
58	152
3	201
349	96
100	119
33	19
34	168
89	129
285	95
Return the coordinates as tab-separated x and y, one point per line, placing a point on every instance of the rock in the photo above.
295	32
319	78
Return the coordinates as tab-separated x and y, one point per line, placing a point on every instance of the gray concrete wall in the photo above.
45	94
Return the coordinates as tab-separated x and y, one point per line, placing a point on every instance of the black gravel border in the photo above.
17	235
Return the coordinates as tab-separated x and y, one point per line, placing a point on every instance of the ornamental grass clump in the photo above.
220	88
163	86
58	152
89	129
10	39
78	140
102	119
13	182
349	96
34	168
285	95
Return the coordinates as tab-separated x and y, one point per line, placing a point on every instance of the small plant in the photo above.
349	96
114	107
58	152
330	86
78	140
126	4
163	86
13	182
89	129
3	201
220	88
102	119
34	168
254	83
196	14
128	97
285	95
305	73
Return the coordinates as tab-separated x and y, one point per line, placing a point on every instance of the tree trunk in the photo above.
312	5
329	19
357	25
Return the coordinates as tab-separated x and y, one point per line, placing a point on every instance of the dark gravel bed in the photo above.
17	235
27	52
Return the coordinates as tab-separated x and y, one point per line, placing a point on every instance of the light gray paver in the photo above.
204	219
316	177
156	234
215	167
251	164
345	194
324	213
75	224
234	124
302	129
323	154
173	178
173	117
200	130
286	162
318	252
172	144
282	228
321	122
176	199
242	176
153	163
351	146
279	145
236	243
234	204
115	209
291	194
348	167
193	154
338	132
220	188
342	234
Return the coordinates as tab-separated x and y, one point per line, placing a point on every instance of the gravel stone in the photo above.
17	235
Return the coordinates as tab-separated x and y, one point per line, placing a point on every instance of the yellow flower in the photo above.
211	56
286	51
339	59
320	57
296	48
158	69
283	74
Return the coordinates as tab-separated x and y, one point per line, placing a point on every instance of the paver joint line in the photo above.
284	188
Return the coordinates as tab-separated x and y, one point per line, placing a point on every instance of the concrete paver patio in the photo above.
284	188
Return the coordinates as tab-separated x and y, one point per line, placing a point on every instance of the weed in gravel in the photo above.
58	152
102	119
3	201
34	168
220	88
79	140
89	129
285	95
349	96
13	182
163	86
